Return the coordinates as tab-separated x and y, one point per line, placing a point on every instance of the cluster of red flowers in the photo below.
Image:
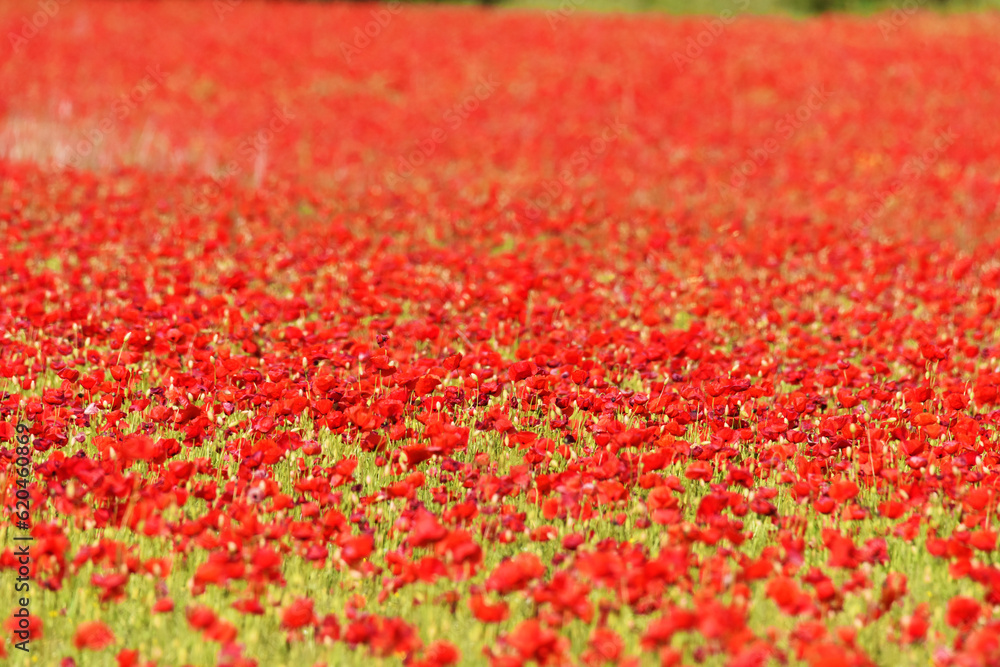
600	393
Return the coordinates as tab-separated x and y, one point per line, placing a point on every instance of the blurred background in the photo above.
803	7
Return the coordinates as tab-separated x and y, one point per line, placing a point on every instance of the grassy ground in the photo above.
159	636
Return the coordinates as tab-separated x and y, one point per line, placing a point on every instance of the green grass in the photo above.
167	639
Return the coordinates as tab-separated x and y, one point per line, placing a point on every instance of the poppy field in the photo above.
387	334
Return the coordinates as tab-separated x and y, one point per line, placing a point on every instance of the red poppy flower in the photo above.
962	612
514	574
298	614
486	612
93	635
